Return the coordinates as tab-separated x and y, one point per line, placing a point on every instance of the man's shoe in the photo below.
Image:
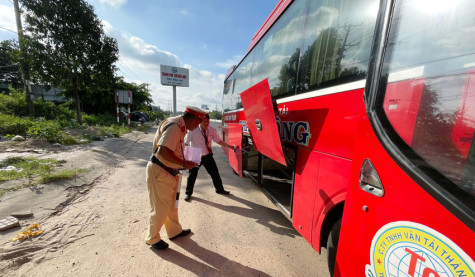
223	192
161	245
187	197
182	234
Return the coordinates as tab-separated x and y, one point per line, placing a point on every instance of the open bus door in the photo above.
235	138
261	122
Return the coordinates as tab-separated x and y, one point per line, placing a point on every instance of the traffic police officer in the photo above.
162	175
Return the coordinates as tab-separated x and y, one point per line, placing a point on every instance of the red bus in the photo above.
357	119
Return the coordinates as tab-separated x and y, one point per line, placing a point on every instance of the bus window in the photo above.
277	54
227	92
429	87
338	36
242	81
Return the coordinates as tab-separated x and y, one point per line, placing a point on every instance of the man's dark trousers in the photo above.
210	166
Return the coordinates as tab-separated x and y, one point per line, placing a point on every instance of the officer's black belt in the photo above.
170	170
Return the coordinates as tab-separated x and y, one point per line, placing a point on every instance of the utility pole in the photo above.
24	65
174	100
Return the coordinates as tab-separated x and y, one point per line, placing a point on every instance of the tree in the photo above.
69	49
215	114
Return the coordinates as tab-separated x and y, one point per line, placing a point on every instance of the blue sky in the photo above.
205	36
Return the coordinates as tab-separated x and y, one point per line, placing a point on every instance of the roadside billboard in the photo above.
174	76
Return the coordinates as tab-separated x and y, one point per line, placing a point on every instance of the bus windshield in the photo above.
429	86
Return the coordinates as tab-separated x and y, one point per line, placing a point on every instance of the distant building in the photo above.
204	107
53	94
3	86
39	92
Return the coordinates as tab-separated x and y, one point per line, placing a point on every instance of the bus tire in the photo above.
332	245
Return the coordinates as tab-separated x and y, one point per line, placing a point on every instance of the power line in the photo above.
125	71
126	74
131	72
8	30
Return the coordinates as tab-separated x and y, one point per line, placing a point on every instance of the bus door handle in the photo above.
258	125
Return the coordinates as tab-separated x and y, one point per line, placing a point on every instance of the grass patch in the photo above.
35	171
14	168
62	175
142	128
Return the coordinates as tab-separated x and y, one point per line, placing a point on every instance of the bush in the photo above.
113	131
46	130
100	119
52	120
51	111
13	125
66	139
13	103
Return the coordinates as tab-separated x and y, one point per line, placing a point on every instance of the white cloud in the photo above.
113	3
230	62
184	12
7	19
140	61
107	27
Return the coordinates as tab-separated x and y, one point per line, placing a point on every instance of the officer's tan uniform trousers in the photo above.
162	188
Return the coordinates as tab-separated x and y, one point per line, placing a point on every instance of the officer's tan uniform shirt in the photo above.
170	138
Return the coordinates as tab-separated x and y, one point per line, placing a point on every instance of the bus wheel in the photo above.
332	246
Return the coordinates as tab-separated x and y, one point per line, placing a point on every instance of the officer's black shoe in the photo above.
223	192
182	234
187	197
161	245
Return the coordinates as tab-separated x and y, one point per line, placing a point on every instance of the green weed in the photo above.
35	171
62	175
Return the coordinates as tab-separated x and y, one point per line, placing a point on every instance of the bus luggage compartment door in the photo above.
235	138
260	116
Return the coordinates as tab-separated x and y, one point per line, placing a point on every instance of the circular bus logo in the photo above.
411	249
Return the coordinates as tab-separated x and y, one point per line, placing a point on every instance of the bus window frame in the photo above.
444	191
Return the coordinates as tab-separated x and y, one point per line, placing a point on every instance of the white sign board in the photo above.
122	96
174	76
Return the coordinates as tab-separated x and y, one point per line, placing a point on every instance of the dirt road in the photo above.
95	225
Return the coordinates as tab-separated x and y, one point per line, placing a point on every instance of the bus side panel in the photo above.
376	231
306	174
332	121
333	181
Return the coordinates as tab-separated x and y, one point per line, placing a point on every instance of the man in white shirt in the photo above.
202	137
